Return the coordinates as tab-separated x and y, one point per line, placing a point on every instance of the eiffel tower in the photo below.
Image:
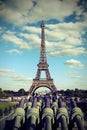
42	66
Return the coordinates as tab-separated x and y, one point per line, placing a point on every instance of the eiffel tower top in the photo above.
43	58
42	24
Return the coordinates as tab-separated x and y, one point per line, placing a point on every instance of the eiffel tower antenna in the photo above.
42	66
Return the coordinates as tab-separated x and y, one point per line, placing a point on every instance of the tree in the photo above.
2	94
78	93
21	92
69	93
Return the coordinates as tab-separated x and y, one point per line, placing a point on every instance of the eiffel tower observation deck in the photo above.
42	66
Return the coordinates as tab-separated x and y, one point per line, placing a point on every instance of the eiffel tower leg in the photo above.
38	74
31	91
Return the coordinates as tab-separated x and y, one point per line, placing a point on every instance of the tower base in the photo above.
37	83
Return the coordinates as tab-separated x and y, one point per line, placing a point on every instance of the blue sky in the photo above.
65	39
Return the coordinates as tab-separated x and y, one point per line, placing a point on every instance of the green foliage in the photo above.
21	92
73	93
5	106
69	93
2	94
78	93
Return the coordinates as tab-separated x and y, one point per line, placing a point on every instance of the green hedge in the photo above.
5	107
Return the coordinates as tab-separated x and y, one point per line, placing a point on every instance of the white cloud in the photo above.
75	75
60	39
34	40
1	30
72	63
22	12
32	37
32	29
14	51
11	37
6	12
67	37
85	17
71	33
55	48
17	10
55	9
62	35
23	40
4	72
21	4
74	41
69	52
20	78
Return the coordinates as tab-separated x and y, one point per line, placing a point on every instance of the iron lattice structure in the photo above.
42	66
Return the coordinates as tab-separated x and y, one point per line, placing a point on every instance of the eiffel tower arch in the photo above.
42	66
